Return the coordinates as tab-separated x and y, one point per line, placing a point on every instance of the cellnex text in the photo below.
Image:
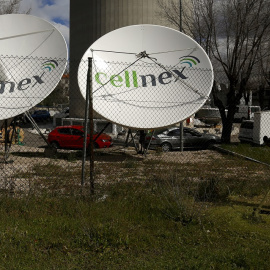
131	79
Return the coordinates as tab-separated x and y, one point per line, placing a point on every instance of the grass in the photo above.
145	214
128	230
260	153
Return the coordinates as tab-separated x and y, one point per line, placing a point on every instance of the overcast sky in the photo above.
54	11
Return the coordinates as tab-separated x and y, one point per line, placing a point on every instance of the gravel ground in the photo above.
32	153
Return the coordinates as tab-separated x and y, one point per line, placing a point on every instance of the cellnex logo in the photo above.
132	79
190	60
27	82
50	64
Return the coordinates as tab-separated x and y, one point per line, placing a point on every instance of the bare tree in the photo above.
10	7
232	33
264	71
177	13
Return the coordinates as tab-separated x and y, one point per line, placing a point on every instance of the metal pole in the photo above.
126	142
180	16
6	139
10	139
102	131
34	124
181	29
257	210
86	112
91	128
181	136
133	139
146	150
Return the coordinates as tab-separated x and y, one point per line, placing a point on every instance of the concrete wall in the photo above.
89	20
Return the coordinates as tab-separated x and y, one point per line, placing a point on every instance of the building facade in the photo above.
91	19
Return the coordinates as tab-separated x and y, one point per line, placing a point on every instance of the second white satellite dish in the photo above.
33	58
147	76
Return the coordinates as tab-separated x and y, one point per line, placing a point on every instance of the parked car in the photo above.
41	115
169	139
246	131
209	116
72	137
58	116
244	112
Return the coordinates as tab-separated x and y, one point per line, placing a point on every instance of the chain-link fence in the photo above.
148	122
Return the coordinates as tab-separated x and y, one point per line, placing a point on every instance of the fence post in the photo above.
86	116
181	136
91	128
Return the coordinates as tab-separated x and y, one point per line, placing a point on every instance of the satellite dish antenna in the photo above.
147	76
33	58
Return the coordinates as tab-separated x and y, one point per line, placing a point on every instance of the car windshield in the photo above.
248	125
158	131
174	132
65	131
76	132
193	132
95	132
255	109
163	130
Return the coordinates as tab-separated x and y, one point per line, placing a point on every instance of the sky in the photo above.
53	11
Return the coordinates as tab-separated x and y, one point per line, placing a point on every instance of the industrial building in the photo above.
89	20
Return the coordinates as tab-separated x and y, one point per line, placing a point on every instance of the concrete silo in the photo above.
91	19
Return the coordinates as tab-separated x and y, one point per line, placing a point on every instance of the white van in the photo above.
244	112
256	130
246	131
261	127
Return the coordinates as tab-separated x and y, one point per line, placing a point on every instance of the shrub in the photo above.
178	197
212	190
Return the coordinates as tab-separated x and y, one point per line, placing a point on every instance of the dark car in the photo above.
169	139
41	115
72	137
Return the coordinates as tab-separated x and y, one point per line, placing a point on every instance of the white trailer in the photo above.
261	126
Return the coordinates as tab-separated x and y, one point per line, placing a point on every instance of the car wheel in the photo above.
166	147
55	145
96	146
209	144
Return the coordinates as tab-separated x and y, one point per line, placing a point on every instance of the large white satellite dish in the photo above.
33	58
147	76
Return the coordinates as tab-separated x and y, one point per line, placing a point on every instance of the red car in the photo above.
73	137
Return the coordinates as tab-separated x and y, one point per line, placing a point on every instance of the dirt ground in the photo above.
23	158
